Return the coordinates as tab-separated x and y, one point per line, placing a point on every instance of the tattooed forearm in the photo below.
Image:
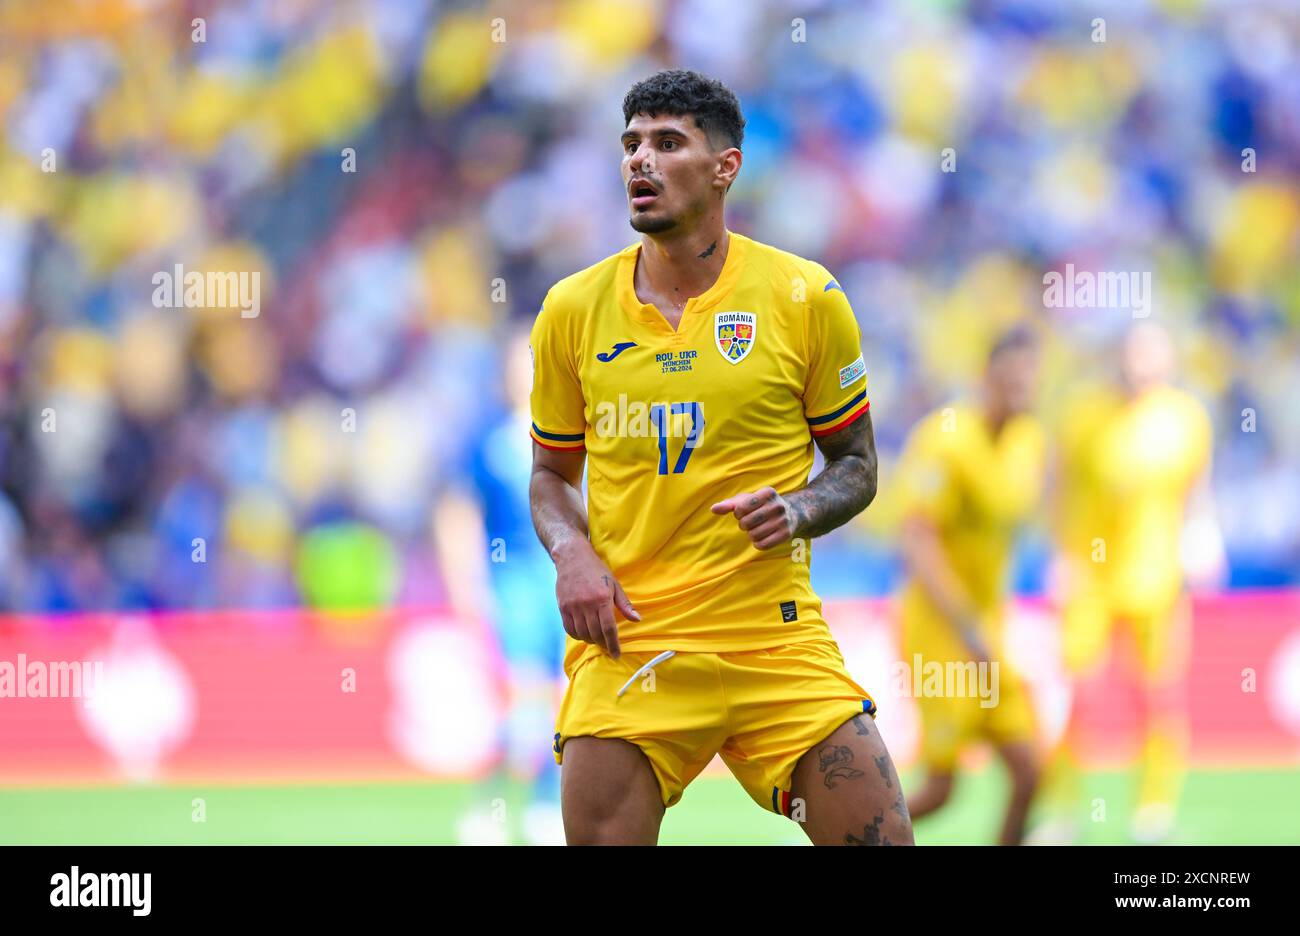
846	485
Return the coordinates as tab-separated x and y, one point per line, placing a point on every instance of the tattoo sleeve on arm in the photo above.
845	486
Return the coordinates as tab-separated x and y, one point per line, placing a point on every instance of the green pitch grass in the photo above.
1218	807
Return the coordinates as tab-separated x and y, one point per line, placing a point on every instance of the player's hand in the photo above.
588	593
765	515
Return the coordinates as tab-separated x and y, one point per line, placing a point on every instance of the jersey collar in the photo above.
649	315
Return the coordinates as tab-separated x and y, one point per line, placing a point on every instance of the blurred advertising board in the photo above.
409	694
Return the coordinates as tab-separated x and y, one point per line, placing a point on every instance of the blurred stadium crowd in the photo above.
189	457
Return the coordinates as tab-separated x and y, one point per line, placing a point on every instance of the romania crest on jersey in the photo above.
733	333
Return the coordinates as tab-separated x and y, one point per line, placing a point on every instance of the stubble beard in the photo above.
648	224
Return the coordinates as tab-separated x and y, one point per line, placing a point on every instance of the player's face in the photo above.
669	168
1013	375
1147	357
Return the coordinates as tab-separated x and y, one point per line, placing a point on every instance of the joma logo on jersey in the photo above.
607	356
733	333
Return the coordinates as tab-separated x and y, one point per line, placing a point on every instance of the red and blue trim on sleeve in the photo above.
846	414
558	441
781	802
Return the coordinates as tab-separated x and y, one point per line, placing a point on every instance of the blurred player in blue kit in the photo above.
497	563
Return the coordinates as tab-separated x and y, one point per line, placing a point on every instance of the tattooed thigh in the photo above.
850	791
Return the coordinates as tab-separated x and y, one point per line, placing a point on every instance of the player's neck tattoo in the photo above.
708	253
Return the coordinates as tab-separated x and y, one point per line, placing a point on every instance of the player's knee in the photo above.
597	830
609	822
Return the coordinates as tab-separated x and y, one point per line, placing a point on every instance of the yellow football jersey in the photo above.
674	421
1080	513
1130	465
976	489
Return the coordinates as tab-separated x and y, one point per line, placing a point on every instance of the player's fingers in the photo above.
624	604
591	625
770	534
574	624
764	514
608	629
724	507
748	503
569	627
774	522
566	614
745	504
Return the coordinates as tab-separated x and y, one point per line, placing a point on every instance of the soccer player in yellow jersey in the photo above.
1132	458
693	372
970	474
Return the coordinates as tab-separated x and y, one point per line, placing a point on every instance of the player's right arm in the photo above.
928	564
930	498
585	589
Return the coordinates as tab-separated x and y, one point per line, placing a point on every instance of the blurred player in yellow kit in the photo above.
1131	459
970	474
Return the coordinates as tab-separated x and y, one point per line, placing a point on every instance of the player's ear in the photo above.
728	168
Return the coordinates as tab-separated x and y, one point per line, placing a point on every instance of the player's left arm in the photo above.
839	419
844	488
846	485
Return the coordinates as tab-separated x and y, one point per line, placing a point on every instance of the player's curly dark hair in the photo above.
681	92
1017	337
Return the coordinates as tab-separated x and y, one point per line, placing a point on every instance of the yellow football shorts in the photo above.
956	716
761	710
1161	636
950	723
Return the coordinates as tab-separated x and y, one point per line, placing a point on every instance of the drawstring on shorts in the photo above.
645	669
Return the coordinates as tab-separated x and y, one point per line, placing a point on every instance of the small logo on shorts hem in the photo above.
789	612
